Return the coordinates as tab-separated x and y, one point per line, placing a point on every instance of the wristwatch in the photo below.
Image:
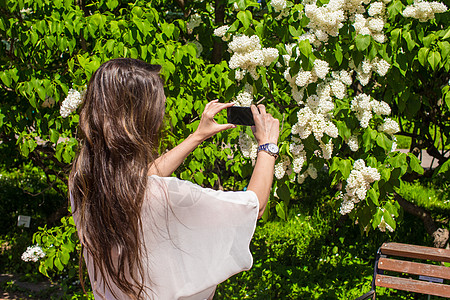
270	148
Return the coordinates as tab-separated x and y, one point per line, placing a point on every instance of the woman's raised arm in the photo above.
167	163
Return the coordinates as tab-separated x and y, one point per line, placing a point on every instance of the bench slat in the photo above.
411	285
413	251
409	267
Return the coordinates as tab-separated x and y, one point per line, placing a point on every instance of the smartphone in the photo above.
239	115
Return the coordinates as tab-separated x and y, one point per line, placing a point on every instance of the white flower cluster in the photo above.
370	26
314	118
281	7
33	253
299	154
194	21
248	54
365	68
394	144
221	32
311	171
358	183
248	146
353	143
278	5
244	98
383	225
327	149
377	9
389	126
363	105
325	20
282	167
303	78
72	101
424	10
355	6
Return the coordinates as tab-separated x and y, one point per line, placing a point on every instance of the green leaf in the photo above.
58	263
199	177
6	78
447	34
338	54
373	196
243	17
295	32
428	40
284	193
447	99
111	4
305	48
344	131
409	40
41	92
2	24
444	168
54	135
434	58
445	49
362	42
388	219
281	210
414	163
422	55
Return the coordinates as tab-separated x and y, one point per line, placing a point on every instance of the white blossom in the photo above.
194	21
278	5
301	178
327	149
312	172
303	78
376	8
33	253
383	225
221	32
358	183
321	68
389	126
423	10
380	107
281	167
353	143
381	66
72	101
248	54
248	145
339	89
346	77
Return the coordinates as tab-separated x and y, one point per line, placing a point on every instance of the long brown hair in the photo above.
119	125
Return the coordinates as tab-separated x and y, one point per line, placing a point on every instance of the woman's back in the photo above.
194	238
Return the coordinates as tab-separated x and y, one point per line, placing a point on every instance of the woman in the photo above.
146	235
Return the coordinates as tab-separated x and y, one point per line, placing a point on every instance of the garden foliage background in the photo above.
349	81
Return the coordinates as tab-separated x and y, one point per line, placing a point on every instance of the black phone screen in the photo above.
239	115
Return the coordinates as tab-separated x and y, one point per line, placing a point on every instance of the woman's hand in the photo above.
267	128
208	126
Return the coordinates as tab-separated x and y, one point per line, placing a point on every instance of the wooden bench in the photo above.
402	274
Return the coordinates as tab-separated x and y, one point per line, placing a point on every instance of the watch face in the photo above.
273	148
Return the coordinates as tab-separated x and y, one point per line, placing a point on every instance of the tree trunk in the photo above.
219	15
440	235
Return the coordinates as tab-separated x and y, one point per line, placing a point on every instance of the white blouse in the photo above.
195	238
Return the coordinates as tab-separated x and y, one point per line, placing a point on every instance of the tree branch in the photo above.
440	235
